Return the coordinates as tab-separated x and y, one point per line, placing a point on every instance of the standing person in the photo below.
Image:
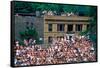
65	38
25	42
73	40
34	44
54	41
30	42
17	43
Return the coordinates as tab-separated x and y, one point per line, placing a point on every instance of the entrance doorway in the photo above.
69	36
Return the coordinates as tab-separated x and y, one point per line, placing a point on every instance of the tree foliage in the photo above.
26	7
92	31
29	34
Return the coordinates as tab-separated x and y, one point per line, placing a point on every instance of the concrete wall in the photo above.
20	24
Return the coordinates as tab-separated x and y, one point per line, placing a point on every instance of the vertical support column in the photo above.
54	27
45	40
74	27
66	26
84	27
45	27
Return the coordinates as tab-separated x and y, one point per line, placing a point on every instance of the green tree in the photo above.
93	25
92	31
22	7
29	33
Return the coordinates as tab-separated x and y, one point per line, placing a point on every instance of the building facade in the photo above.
52	26
58	26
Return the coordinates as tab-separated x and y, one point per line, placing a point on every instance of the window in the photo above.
27	27
70	37
27	23
88	26
79	27
60	27
49	27
70	27
31	25
49	39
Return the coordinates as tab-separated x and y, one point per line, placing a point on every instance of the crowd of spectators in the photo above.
62	50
